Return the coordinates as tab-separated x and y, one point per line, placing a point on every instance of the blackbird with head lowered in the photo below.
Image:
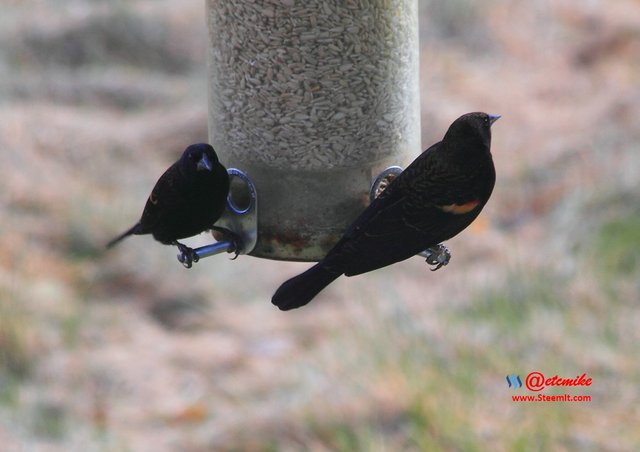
439	194
187	199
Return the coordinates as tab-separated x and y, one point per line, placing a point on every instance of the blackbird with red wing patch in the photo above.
187	199
434	199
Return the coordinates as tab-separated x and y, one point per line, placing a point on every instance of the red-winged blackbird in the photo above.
187	199
435	198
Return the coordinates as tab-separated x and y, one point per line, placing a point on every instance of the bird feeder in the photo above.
311	100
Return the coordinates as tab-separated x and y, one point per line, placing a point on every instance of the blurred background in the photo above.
126	350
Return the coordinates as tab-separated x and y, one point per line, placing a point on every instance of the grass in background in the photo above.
120	37
16	360
617	247
430	391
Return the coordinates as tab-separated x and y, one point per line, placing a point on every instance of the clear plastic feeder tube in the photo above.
312	99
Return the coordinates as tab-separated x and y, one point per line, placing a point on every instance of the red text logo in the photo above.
536	381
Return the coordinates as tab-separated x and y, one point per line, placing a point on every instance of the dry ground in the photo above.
127	351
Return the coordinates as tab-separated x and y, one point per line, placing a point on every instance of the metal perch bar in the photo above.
225	246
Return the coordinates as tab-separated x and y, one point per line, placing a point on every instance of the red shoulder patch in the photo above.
459	209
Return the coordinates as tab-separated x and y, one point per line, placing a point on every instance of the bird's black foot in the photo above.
187	255
438	255
230	236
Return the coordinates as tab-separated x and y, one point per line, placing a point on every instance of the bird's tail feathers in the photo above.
301	289
124	235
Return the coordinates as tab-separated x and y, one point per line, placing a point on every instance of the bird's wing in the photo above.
406	219
432	179
423	191
394	234
164	195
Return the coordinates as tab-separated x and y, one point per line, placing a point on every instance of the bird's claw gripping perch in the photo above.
188	256
226	235
438	255
236	246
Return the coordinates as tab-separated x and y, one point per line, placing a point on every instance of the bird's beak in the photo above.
204	163
493	118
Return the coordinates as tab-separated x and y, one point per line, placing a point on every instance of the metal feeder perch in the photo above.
310	100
